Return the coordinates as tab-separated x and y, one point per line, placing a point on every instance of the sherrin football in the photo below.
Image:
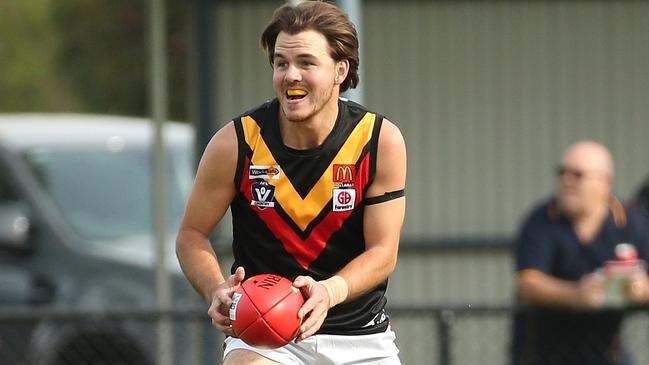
264	311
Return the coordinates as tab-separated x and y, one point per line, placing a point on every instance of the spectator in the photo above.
562	254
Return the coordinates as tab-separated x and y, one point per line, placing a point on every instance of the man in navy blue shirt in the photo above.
563	255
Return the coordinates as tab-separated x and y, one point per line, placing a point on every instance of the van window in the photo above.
7	192
107	194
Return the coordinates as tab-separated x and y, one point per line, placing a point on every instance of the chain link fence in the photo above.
117	337
426	335
466	335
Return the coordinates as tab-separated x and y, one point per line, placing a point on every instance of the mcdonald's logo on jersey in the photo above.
344	173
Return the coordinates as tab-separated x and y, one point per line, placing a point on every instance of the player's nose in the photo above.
292	74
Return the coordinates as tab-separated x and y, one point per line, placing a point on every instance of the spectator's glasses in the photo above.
573	172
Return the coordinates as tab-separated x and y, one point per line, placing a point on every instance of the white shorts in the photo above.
378	349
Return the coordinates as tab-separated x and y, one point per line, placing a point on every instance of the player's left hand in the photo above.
315	308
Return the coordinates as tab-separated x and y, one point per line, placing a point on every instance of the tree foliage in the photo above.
87	56
104	53
28	81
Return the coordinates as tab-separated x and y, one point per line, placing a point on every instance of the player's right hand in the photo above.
222	299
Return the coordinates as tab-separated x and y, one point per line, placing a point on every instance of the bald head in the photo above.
589	156
586	178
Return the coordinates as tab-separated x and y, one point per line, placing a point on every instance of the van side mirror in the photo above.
14	226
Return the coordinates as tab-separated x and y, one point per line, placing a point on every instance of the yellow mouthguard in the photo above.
296	92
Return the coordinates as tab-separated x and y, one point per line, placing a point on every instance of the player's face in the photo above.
305	77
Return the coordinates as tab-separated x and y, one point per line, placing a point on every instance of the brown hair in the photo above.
322	17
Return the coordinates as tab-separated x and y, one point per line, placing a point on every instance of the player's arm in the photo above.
211	194
382	225
382	221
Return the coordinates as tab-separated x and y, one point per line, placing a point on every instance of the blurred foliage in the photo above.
28	80
87	56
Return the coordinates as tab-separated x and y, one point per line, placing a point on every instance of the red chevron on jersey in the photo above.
307	250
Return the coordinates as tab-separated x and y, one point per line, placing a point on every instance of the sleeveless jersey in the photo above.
300	212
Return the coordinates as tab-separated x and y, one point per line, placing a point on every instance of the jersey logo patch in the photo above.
263	194
264	172
343	174
343	199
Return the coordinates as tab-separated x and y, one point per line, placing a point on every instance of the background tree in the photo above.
103	53
28	41
86	56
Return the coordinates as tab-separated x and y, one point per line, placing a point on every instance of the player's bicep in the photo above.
385	213
213	188
383	222
391	162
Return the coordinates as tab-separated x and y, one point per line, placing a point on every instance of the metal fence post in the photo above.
444	323
159	102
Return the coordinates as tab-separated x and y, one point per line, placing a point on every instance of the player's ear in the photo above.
342	69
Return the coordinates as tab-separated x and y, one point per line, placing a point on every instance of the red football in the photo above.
264	311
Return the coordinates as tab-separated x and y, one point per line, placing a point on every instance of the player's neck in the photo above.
311	132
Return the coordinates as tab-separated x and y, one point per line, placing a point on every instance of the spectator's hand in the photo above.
315	308
637	287
591	290
221	300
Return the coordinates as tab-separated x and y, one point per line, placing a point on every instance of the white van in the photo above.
76	233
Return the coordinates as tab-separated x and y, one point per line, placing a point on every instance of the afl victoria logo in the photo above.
262	195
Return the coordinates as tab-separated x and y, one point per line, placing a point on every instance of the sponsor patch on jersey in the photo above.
344	173
343	199
263	194
264	172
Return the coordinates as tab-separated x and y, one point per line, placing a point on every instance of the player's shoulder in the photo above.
390	136
391	127
223	143
391	162
219	159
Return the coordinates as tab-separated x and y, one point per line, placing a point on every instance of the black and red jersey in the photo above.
300	212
